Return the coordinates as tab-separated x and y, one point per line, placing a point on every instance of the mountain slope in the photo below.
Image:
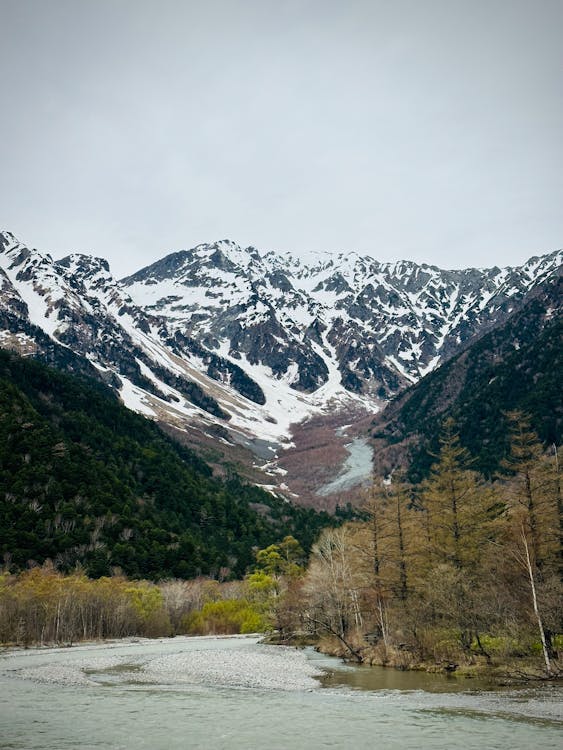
218	322
77	302
515	366
240	350
162	372
85	480
381	325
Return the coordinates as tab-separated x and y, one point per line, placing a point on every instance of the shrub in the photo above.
226	617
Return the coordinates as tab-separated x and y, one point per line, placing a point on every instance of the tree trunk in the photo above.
535	602
559	510
402	563
481	649
326	626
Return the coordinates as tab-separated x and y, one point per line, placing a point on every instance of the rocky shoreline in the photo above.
181	661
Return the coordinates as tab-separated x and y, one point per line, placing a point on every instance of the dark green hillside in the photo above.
516	366
85	480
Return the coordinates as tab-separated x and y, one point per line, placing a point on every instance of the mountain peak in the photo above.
7	239
12	248
84	265
292	336
228	253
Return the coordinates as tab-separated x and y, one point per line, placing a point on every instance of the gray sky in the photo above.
429	130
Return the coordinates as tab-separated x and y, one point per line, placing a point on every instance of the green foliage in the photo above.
270	559
147	602
261	585
515	366
506	646
42	605
85	480
283	558
226	617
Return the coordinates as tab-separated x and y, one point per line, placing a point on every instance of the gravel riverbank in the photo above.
176	661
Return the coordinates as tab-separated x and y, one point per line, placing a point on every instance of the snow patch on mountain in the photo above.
251	343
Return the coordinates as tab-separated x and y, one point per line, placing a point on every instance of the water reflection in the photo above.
381	678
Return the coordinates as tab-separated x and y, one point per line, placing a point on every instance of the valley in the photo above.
216	461
257	360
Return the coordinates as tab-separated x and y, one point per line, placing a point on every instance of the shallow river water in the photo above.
237	693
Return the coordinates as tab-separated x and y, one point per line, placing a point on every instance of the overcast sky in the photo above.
429	130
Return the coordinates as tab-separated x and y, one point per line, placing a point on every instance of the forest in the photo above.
515	366
457	573
454	573
86	482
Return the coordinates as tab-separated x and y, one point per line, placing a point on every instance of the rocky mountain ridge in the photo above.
514	366
381	324
243	345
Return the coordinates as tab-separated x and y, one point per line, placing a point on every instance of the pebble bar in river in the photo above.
234	694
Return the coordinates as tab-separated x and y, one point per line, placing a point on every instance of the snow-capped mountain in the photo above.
379	324
248	344
159	370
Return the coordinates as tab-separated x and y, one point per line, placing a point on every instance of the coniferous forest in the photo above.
85	481
110	528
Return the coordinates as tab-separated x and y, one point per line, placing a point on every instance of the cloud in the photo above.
421	130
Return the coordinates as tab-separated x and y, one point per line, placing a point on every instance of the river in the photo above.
236	693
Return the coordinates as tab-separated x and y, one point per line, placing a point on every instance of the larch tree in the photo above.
532	526
532	494
456	505
383	546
